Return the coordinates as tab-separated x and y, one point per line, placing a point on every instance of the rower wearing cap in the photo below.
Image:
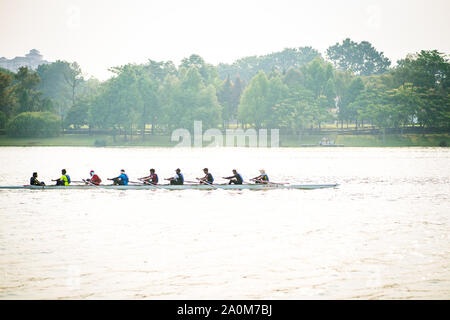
34	181
262	178
207	179
236	178
177	179
122	179
151	179
64	180
94	179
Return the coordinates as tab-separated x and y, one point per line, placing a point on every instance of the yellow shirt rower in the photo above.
64	180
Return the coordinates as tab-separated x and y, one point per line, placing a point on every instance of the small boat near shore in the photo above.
322	145
269	186
324	142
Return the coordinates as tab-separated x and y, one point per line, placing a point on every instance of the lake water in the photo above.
383	234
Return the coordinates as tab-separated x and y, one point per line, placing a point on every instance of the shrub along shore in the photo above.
390	140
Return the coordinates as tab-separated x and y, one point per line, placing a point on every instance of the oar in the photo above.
196	182
278	182
148	184
136	182
270	182
206	182
215	188
188	181
76	181
89	183
112	179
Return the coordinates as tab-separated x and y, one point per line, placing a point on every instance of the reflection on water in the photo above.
384	233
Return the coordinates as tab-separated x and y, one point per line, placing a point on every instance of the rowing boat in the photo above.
322	145
179	187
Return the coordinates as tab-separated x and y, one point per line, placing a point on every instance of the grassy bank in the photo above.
391	140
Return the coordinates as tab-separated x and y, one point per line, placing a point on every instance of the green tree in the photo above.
434	111
151	108
73	77
78	114
6	94
297	111
236	93
188	99
349	89
206	71
159	70
54	86
373	104
259	98
426	74
34	124
319	78
281	61
359	58
28	99
225	97
427	69
405	102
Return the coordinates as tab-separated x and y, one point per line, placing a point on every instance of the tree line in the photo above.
292	90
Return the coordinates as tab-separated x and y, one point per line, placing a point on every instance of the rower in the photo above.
207	179
95	179
121	180
64	180
151	179
34	181
177	179
262	178
236	178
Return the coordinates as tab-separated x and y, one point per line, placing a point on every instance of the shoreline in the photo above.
285	141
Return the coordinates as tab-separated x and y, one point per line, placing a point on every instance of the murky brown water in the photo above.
383	234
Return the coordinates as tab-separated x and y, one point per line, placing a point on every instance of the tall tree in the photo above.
73	76
207	71
236	93
54	86
348	89
28	97
427	73
427	69
6	94
297	110
281	61
189	99
151	108
225	97
360	58
259	98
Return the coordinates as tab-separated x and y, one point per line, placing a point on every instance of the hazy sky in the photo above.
100	34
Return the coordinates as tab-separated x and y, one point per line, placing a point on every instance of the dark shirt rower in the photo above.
178	179
236	178
34	181
207	179
151	179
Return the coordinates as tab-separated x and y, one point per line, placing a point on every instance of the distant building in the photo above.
31	60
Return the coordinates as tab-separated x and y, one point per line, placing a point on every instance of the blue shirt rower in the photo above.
121	180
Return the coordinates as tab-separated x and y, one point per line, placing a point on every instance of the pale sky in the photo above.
99	34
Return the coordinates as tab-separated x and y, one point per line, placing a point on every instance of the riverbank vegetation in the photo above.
295	90
391	140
